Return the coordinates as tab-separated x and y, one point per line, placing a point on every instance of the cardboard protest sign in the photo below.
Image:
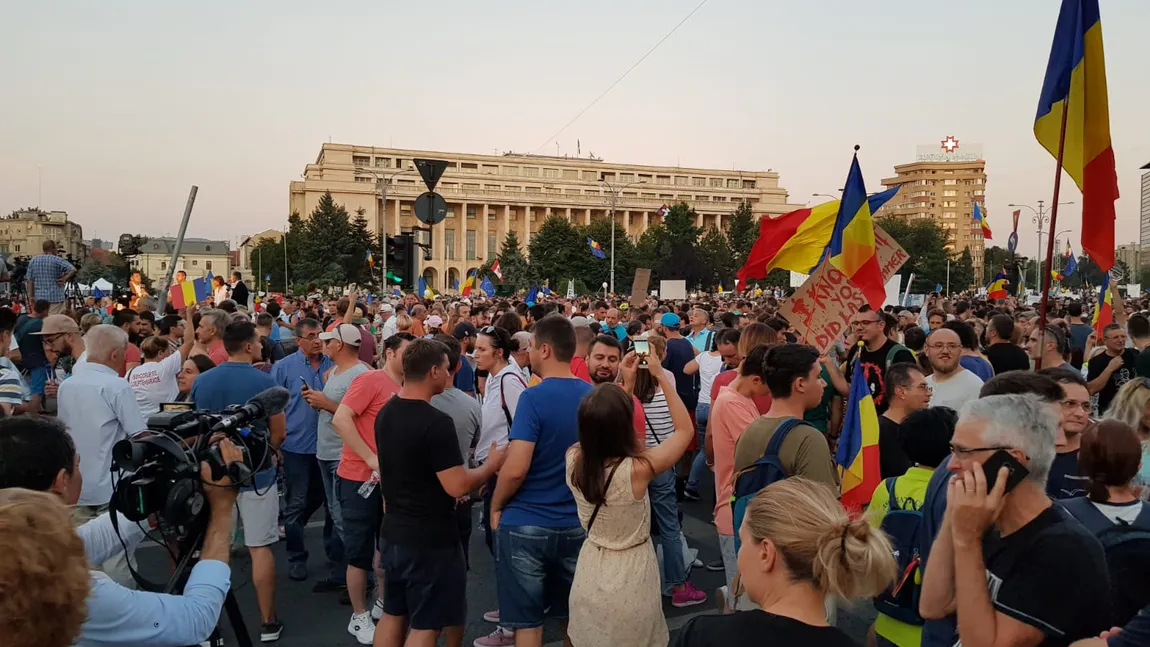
891	256
821	309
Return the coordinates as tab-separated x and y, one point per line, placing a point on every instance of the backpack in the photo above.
903	525
758	475
1127	550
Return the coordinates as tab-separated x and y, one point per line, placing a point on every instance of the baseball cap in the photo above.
434	321
57	324
346	333
669	319
464	330
387	307
578	320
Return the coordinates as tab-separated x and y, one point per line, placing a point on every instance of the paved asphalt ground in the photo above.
318	620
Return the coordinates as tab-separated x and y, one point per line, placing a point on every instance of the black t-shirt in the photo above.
1007	357
757	627
892	460
1051	575
1142	364
1064	481
679	353
1098	364
874	366
414	441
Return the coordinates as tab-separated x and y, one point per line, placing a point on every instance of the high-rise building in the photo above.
1131	256
942	184
490	195
1144	219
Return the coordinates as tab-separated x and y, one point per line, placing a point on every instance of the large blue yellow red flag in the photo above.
796	241
981	220
996	289
189	292
852	249
1074	93
1104	310
468	284
596	250
857	454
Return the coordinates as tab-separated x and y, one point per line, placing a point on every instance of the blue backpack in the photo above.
1126	547
903	525
758	475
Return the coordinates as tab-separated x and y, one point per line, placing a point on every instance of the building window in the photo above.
471	213
383	162
717	182
553	190
451	212
470	244
950	182
530	171
511	189
732	184
490	169
588	176
470	187
491	251
449	243
491	214
680	180
195	262
511	170
949	193
663	179
748	184
570	174
533	189
698	181
207	266
360	160
164	265
468	167
551	172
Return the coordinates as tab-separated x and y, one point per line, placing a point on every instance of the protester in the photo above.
1065	479
532	508
970	358
679	352
700	335
421	475
209	333
44	571
15	396
156	380
1001	352
189	371
951	384
235	382
1109	370
46	277
1046	573
33	361
877	354
239	291
584	337
1080	331
907	391
798	547
465	333
708	365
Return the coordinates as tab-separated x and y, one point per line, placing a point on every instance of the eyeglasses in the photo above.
950	347
312	337
864	322
959	452
1075	404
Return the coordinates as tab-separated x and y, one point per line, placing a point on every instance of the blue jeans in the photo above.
665	511
534	568
333	545
304	496
699	465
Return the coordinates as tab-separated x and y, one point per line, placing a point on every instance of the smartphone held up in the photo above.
642	349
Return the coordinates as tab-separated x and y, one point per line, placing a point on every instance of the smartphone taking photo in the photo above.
643	350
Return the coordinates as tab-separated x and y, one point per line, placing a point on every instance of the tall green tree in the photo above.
961	271
715	256
599	270
327	253
925	241
517	273
268	258
362	240
559	252
742	231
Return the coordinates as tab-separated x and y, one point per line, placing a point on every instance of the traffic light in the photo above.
402	266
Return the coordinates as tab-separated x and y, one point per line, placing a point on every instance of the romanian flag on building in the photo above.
596	250
469	283
981	220
857	454
851	249
370	259
1075	87
184	294
796	241
996	289
1104	311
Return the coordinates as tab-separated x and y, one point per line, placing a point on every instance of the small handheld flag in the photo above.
996	289
469	283
1104	311
370	259
938	288
857	455
184	294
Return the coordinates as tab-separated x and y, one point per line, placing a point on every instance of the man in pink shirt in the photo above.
732	412
355	422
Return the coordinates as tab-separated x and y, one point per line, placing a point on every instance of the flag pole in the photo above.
1045	282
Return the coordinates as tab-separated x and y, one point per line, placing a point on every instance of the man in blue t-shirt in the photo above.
465	377
235	382
533	510
680	351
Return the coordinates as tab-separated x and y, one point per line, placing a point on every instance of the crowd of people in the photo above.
1011	509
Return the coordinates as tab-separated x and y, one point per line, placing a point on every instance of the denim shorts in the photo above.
428	586
361	521
533	571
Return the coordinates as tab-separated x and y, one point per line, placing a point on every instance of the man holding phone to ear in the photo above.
1012	568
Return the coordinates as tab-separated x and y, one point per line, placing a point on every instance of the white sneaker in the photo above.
377	609
362	628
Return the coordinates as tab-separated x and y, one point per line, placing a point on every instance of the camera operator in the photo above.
37	454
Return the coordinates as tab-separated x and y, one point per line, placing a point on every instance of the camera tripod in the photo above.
188	551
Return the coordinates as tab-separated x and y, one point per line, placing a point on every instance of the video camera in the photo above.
160	467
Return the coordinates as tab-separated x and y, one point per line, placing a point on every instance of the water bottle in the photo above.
368	486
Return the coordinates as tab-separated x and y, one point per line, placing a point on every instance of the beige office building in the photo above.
489	195
24	232
942	184
198	257
249	264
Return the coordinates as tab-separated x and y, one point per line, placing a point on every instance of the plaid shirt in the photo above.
43	270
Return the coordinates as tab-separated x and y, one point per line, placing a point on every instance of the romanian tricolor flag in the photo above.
596	250
996	289
857	454
1104	311
851	249
370	259
1075	89
1055	275
981	220
796	241
468	284
184	294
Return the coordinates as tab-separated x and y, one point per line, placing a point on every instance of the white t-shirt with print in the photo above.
155	383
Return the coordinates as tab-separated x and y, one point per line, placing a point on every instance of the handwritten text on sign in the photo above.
891	256
822	308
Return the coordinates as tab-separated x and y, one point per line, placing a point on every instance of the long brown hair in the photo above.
645	382
1110	456
606	437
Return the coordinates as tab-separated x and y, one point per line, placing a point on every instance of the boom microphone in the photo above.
265	403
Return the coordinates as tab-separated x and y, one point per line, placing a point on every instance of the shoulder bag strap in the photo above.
503	398
893	502
606	488
780	435
647	419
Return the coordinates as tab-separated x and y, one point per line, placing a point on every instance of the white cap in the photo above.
346	333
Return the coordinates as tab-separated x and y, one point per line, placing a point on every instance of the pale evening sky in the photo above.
123	105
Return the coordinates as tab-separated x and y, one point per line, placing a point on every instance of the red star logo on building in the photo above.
950	144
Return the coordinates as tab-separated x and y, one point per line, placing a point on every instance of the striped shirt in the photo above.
12	387
659	423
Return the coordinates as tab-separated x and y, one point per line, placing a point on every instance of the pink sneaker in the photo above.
498	638
492	616
687	596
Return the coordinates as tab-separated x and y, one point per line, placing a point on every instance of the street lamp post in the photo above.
1040	218
614	199
381	219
